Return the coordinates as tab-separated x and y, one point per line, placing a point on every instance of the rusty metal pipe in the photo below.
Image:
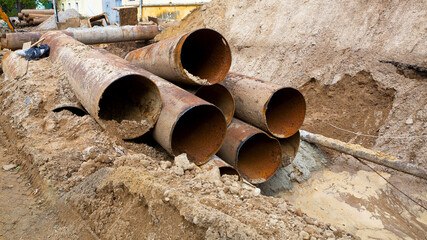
276	109
219	96
38	11
289	148
200	57
13	65
107	34
120	99
188	124
224	167
254	154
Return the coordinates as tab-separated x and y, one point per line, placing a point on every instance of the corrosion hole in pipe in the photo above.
206	54
285	112
219	96
129	106
258	158
74	110
199	132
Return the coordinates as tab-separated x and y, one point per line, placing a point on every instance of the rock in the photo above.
9	167
165	164
309	220
311	229
304	235
298	212
177	170
329	234
183	162
212	176
409	121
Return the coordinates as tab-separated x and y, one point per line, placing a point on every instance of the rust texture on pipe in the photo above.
254	154
224	167
200	57
108	34
364	153
112	34
219	96
289	148
188	124
13	65
120	99
276	109
16	40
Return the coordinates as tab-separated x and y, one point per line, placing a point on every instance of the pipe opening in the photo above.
219	96
199	132
130	106
227	171
74	110
206	54
285	112
289	148
258	158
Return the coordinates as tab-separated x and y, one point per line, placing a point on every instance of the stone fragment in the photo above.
9	167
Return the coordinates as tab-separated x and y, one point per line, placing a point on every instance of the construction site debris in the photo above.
200	57
100	17
34	53
120	99
127	15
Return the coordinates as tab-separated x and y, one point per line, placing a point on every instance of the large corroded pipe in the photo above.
200	57
289	148
13	65
120	99
188	124
219	96
276	109
224	167
107	34
254	154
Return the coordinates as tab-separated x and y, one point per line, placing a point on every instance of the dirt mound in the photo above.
357	104
50	23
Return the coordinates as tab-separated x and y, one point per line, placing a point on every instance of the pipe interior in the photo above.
285	112
258	158
206	54
199	132
131	98
289	148
219	96
227	171
74	110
